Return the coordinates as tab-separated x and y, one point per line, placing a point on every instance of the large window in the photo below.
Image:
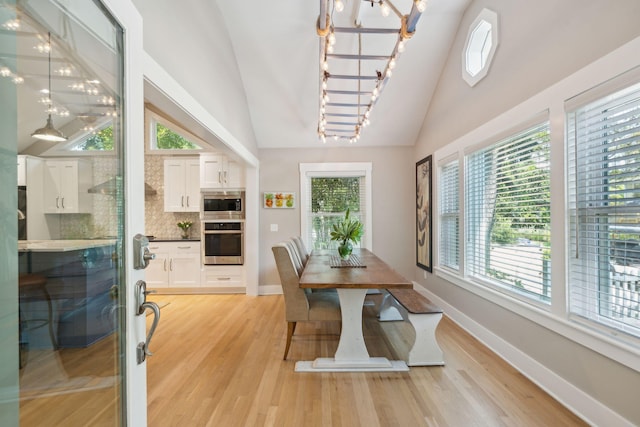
328	190
449	250
508	222
604	208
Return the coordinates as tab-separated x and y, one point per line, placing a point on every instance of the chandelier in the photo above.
357	61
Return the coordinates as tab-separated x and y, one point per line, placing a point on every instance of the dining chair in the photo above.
301	306
302	249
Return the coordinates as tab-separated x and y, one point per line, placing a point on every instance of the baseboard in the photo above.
270	290
586	407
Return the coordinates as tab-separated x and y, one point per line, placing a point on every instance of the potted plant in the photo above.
185	226
347	232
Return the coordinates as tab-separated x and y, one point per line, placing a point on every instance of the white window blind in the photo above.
449	248
604	207
507	200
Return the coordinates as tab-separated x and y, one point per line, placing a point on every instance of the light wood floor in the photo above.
218	362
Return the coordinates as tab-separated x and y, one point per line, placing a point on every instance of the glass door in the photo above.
68	329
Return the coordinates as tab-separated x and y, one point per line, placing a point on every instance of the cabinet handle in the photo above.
224	278
63	203
57	205
225	177
182	201
171	264
164	265
220	177
184	247
187	201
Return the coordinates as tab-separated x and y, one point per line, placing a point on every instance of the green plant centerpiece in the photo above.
347	231
184	226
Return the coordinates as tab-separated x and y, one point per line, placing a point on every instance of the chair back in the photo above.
295	256
302	249
295	299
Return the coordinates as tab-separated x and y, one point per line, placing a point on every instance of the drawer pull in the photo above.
224	278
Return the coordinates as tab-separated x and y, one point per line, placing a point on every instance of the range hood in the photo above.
109	188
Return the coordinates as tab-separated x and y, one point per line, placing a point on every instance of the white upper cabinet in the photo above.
182	185
217	171
66	185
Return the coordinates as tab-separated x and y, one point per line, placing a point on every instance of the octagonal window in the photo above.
480	47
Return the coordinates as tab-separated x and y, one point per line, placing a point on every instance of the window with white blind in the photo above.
327	191
507	215
604	210
449	248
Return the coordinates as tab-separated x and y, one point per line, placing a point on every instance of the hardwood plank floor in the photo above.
218	362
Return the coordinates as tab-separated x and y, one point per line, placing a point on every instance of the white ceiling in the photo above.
277	51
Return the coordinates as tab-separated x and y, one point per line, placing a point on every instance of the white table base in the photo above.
352	354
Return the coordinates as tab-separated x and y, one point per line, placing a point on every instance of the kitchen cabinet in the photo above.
66	185
230	277
177	265
218	171
182	185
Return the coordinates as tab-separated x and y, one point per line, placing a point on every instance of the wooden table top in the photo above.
319	274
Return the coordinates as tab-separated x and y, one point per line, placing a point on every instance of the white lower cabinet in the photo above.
223	276
177	265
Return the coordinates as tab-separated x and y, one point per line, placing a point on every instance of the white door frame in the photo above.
135	386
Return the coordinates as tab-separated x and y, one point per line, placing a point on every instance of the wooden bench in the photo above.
423	315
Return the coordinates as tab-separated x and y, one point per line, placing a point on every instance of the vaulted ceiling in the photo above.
278	53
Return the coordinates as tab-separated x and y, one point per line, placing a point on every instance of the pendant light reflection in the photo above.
49	132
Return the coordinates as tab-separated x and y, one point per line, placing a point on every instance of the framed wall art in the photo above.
423	213
278	200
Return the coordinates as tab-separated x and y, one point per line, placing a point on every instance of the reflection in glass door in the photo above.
62	284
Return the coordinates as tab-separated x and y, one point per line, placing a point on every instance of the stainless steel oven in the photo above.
222	205
223	242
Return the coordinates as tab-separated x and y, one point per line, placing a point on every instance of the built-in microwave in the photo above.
222	205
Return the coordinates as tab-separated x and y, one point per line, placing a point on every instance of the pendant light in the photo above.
49	132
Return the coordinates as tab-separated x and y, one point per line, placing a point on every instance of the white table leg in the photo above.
352	354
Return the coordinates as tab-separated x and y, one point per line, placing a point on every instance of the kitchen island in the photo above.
81	279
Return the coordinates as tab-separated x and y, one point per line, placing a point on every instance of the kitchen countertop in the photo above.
61	245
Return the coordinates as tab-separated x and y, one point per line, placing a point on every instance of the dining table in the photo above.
352	278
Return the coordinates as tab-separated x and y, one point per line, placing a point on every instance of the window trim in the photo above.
485	16
308	170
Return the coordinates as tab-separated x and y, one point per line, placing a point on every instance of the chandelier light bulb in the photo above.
401	46
325	65
332	38
392	63
18	80
339	5
330	48
421	5
5	72
384	9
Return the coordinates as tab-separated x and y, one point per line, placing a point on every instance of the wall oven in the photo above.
222	205
223	242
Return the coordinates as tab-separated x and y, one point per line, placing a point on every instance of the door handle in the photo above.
142	350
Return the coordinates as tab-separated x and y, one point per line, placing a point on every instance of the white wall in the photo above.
541	43
189	40
393	202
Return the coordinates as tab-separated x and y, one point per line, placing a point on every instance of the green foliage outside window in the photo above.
100	141
166	139
330	198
